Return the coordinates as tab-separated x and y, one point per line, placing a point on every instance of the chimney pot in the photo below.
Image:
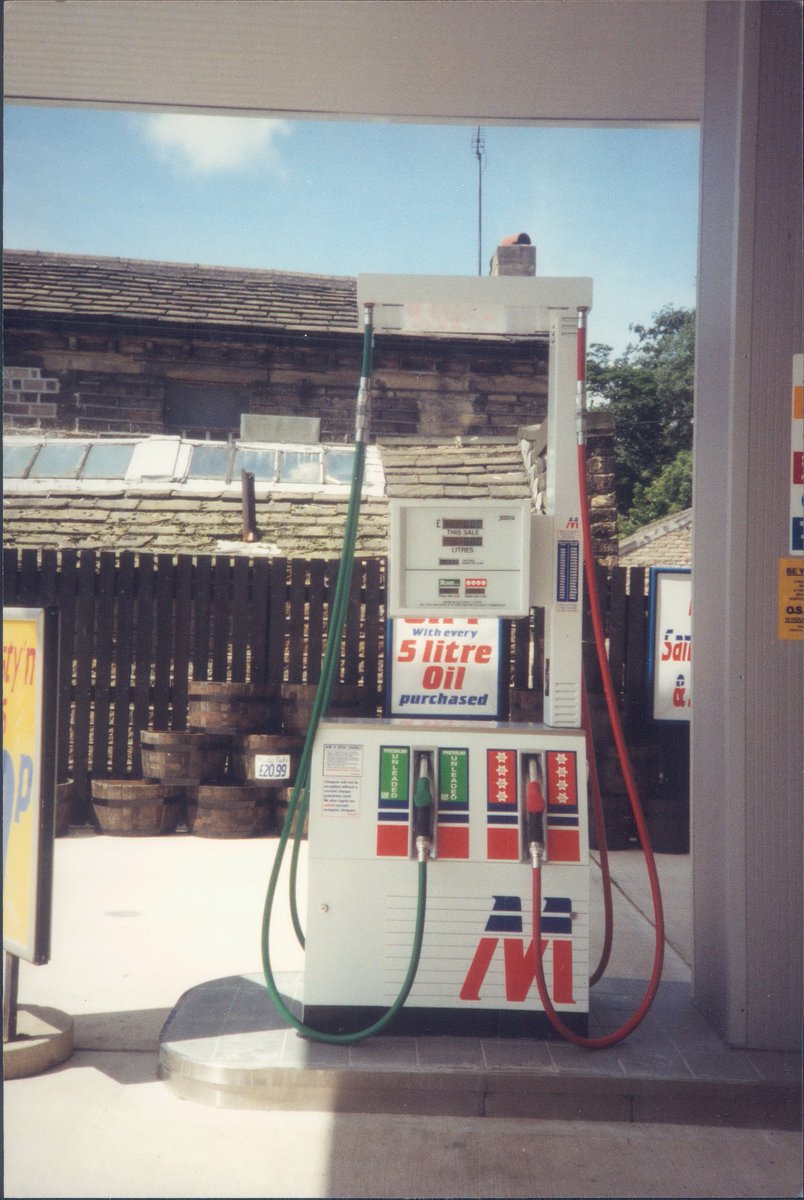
514	256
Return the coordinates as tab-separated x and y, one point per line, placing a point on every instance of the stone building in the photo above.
666	542
209	361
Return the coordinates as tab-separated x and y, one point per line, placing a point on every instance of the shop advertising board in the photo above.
30	689
444	667
670	649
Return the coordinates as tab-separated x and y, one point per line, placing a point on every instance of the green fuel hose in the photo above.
299	801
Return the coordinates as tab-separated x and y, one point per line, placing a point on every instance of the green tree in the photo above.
649	389
669	492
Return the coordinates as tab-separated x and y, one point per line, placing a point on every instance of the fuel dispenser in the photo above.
448	876
476	971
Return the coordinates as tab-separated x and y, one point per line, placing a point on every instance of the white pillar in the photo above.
747	727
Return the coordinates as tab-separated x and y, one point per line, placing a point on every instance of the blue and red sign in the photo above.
504	925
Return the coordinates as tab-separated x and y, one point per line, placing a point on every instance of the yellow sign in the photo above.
791	599
27	840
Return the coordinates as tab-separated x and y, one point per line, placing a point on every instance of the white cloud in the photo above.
207	144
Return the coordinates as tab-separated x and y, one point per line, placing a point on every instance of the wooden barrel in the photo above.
269	759
230	811
184	758
135	808
298	700
238	707
65	792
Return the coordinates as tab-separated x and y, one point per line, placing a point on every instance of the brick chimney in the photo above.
514	256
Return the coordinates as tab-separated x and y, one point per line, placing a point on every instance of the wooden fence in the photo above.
136	628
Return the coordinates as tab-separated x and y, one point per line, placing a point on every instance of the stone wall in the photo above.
84	379
29	400
599	478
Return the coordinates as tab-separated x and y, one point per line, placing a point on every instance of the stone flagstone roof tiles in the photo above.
72	285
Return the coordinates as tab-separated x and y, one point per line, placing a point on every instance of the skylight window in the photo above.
142	462
299	466
338	465
17	459
107	461
155	458
59	460
261	463
209	461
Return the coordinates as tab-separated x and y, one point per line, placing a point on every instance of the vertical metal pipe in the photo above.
11	972
249	506
364	390
580	388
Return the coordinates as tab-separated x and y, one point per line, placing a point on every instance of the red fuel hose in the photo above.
611	1039
600	830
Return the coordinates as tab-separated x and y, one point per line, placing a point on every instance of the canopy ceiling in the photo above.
601	61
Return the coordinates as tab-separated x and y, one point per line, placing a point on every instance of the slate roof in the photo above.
663	543
167	519
74	285
471	468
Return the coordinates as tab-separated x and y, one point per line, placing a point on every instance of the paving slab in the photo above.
225	1044
139	924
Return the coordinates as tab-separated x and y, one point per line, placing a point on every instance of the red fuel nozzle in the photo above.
534	798
534	813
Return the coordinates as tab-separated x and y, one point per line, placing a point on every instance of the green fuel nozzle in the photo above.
423	811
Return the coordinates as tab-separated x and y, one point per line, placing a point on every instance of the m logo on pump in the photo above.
503	943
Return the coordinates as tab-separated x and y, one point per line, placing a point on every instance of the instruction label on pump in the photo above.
340	759
340	797
343	770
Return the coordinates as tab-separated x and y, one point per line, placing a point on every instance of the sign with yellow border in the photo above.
791	599
29	735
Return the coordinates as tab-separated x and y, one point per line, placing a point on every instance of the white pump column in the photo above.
520	307
563	615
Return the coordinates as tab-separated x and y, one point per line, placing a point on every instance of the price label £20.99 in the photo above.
272	766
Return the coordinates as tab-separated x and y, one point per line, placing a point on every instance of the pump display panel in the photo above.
458	558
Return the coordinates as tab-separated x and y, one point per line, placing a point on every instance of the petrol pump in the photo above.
448	855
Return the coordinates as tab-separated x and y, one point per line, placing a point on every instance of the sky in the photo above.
342	198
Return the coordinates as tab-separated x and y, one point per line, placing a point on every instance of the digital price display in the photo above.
447	561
